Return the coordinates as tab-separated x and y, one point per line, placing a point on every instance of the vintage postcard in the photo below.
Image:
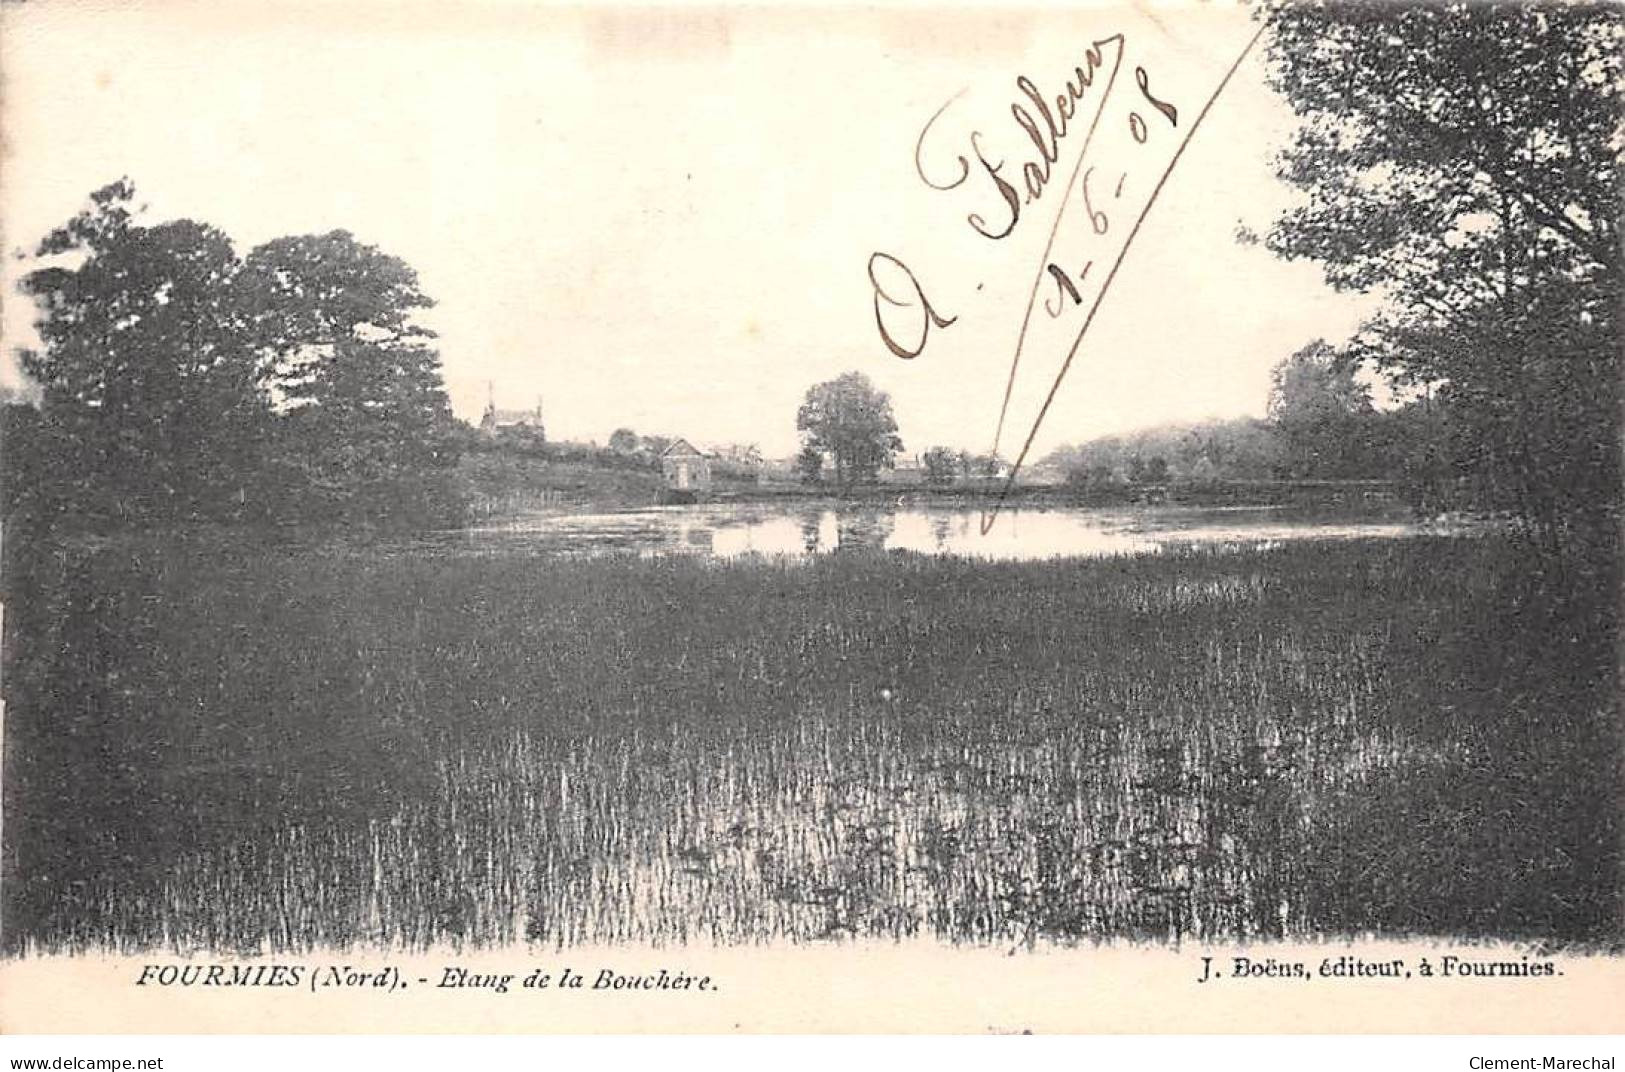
817	518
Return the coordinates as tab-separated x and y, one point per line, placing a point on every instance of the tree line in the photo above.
181	381
1322	425
1464	161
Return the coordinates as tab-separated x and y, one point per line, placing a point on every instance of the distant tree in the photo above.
1094	479
1464	160
852	422
656	445
368	427
973	466
150	406
741	462
810	465
1238	449
749	454
1315	384
624	441
1322	414
981	466
941	466
1144	470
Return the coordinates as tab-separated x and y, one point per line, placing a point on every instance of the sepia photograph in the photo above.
781	514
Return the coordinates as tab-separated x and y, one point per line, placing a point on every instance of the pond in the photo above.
319	749
807	528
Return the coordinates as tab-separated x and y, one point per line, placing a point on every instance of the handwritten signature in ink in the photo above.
905	317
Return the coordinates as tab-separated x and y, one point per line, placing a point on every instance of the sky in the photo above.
664	217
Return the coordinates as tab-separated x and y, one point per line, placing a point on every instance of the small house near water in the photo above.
685	472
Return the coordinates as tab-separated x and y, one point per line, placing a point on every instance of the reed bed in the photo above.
288	751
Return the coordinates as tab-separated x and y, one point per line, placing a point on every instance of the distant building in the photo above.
907	470
685	470
496	421
735	463
740	454
998	472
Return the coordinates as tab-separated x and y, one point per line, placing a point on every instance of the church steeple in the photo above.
490	419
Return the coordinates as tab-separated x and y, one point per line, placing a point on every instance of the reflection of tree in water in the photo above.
868	529
941	526
810	525
698	536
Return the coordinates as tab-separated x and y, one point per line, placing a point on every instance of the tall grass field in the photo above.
279	750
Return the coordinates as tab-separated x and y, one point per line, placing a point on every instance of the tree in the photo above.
1316	384
979	466
1237	449
150	406
852	422
1321	413
368	427
810	465
655	445
1153	470
941	466
181	381
623	441
1464	159
1095	479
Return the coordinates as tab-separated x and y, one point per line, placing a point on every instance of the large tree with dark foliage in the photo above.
181	382
850	421
149	403
367	427
1464	160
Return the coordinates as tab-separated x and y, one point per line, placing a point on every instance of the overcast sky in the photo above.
662	218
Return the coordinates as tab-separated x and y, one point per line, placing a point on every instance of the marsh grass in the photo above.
280	751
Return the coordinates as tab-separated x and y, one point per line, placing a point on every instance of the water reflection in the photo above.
807	529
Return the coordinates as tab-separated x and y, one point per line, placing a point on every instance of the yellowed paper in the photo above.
1029	227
